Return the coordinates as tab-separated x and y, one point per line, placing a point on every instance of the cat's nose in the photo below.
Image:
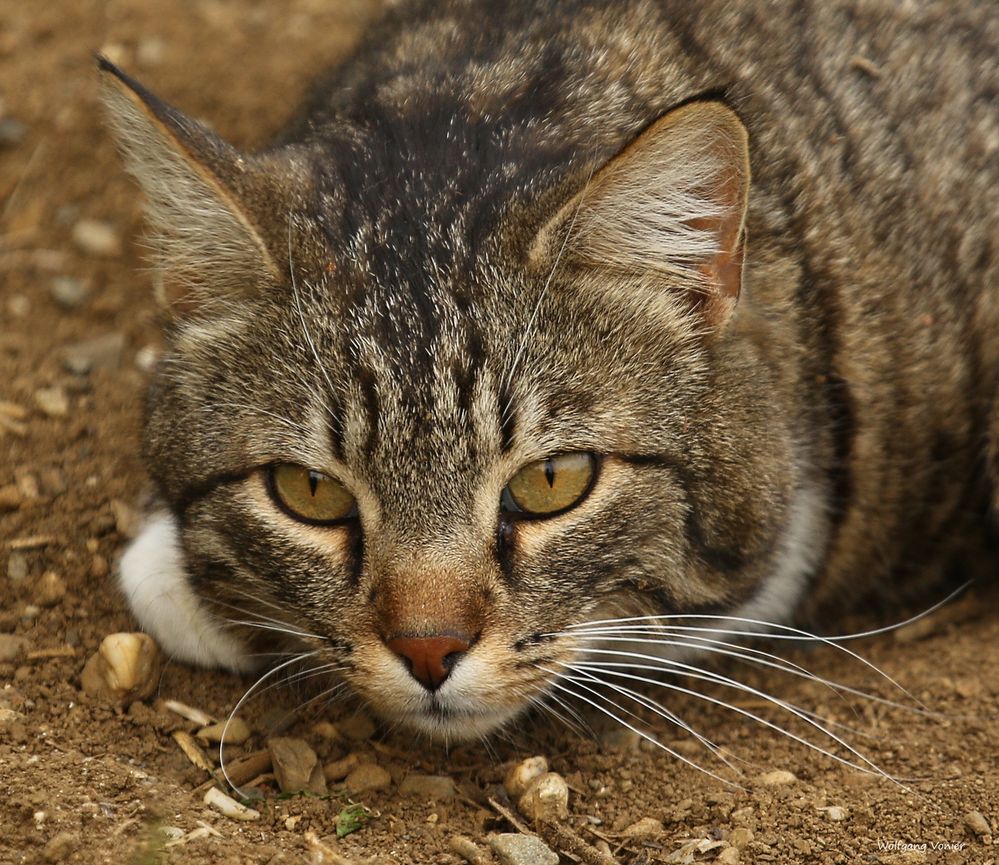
430	659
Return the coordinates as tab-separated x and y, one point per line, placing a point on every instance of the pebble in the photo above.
229	806
68	292
52	481
236	733
127	520
17	567
340	769
468	850
296	766
514	849
368	776
53	401
620	739
835	813
358	727
12	132
521	775
437	788
740	837
546	798
777	778
60	846
49	590
728	856
149	52
976	822
125	668
96	237
647	827
12	647
10	498
100	352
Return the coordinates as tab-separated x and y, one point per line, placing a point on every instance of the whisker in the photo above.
558	683
758	657
776	701
790	634
660	710
246	695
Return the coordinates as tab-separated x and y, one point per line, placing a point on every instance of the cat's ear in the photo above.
211	208
670	208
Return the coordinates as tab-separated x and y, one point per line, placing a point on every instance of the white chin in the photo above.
153	578
455	727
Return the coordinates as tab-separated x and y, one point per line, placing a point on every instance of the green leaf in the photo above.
350	819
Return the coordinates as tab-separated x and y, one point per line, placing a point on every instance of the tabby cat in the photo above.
550	313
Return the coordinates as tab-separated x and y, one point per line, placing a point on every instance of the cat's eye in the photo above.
551	485
310	496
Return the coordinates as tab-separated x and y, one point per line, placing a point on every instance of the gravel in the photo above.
296	766
68	292
512	849
97	238
368	776
101	352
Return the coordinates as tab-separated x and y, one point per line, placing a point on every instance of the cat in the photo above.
541	320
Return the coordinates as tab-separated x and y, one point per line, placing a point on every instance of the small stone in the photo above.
53	401
52	481
27	484
49	590
728	856
514	849
437	788
229	806
236	732
340	769
546	798
127	520
777	778
647	827
10	498
12	648
9	717
101	352
468	850
99	566
740	837
125	668
521	775
976	822
296	766
835	813
60	847
68	292
97	238
149	52
146	358
368	776
358	727
12	132
17	567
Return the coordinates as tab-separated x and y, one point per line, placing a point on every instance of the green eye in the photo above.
552	485
310	496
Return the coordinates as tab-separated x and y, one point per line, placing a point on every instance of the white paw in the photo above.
155	582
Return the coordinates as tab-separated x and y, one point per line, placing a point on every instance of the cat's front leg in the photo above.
154	578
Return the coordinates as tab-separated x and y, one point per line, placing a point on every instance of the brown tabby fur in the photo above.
399	292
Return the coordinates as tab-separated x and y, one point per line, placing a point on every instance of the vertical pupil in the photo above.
550	473
313	482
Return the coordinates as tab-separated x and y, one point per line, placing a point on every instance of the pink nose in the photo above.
429	659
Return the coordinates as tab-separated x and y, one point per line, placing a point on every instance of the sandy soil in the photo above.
85	781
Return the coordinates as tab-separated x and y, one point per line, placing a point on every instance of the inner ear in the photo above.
670	208
214	210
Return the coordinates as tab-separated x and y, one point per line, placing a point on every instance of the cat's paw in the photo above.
154	579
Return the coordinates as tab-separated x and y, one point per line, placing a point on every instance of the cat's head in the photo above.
426	429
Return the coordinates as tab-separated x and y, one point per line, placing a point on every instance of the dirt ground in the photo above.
85	781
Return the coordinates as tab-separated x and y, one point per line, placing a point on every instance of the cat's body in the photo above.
480	245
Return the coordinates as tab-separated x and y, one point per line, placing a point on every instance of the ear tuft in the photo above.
205	239
671	208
